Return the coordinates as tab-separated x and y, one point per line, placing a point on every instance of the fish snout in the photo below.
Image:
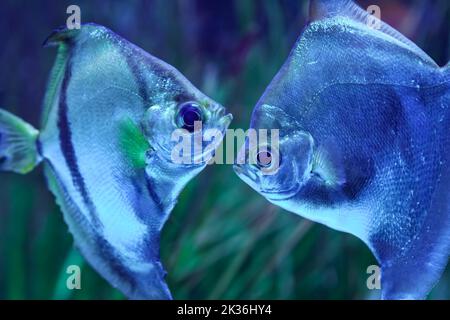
243	168
225	120
219	111
221	118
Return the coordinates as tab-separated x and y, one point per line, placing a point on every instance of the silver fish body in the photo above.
110	110
363	116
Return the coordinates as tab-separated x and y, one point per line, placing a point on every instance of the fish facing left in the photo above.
106	140
363	116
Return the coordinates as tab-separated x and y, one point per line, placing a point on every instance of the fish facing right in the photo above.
363	117
106	144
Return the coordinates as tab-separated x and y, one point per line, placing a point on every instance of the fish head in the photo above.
278	168
180	125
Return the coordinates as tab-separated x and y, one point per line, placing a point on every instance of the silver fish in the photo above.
364	118
110	110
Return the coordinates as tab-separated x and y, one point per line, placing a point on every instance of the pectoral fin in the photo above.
328	164
133	143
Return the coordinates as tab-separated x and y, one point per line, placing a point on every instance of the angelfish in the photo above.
364	122
105	143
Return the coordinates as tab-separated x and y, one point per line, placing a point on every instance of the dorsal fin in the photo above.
322	9
61	34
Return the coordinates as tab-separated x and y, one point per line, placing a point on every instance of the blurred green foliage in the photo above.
223	240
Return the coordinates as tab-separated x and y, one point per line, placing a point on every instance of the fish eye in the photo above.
264	158
188	114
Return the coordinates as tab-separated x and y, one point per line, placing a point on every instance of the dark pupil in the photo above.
189	114
264	158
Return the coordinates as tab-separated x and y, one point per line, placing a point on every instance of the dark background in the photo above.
223	240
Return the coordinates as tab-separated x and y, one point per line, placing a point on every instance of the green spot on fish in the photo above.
133	143
204	104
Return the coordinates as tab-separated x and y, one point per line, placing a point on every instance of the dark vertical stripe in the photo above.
142	88
104	250
65	139
137	73
153	195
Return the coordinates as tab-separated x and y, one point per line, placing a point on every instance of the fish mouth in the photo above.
241	170
252	180
219	119
283	194
221	122
225	121
247	176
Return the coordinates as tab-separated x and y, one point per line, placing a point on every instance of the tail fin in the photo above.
18	149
